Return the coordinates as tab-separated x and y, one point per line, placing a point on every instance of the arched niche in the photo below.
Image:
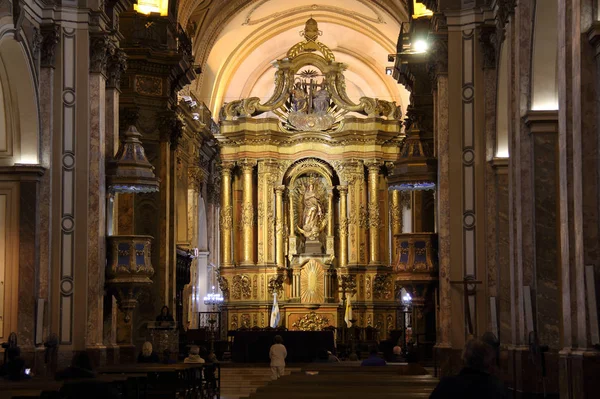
310	166
19	116
502	106
544	83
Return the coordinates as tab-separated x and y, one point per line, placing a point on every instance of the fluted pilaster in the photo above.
279	238
374	219
226	220
247	212
343	255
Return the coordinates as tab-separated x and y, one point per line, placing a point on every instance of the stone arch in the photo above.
19	135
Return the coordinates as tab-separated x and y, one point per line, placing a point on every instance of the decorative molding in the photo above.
226	218
242	288
382	287
148	85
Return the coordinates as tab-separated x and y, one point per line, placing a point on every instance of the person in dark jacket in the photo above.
373	359
475	379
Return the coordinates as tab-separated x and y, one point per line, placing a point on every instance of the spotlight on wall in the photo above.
389	71
420	46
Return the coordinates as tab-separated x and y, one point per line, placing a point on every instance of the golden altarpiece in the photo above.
305	208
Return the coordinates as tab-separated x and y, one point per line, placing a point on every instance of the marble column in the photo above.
374	217
50	38
279	238
99	47
247	212
226	217
343	255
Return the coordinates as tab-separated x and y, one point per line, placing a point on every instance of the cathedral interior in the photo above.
411	171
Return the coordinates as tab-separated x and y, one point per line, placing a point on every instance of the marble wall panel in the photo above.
502	255
546	238
28	262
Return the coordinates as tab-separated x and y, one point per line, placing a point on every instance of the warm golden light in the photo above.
419	10
152	6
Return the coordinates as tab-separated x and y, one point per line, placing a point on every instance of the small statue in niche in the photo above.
313	218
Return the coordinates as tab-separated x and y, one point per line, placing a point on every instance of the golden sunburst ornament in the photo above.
311	283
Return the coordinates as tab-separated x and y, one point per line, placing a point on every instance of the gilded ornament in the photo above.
311	322
276	285
382	286
247	215
312	283
241	287
226	217
148	85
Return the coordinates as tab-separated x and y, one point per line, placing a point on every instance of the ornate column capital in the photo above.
50	35
489	47
170	127
373	166
438	61
343	190
247	165
100	49
279	190
227	167
117	64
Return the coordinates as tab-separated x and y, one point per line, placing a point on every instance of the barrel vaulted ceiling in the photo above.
235	42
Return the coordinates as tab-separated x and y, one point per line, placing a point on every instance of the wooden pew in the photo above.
174	380
47	388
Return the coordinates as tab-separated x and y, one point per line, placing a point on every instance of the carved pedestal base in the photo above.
313	247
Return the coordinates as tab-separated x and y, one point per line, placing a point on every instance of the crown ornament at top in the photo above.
310	91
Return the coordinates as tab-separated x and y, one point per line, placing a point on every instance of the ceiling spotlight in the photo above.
420	46
389	71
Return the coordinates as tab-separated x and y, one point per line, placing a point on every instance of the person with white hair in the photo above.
194	356
148	355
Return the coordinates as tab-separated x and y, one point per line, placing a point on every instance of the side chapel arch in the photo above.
19	132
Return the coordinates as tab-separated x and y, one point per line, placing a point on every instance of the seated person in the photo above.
81	367
475	380
397	354
164	319
373	359
14	368
148	355
194	356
